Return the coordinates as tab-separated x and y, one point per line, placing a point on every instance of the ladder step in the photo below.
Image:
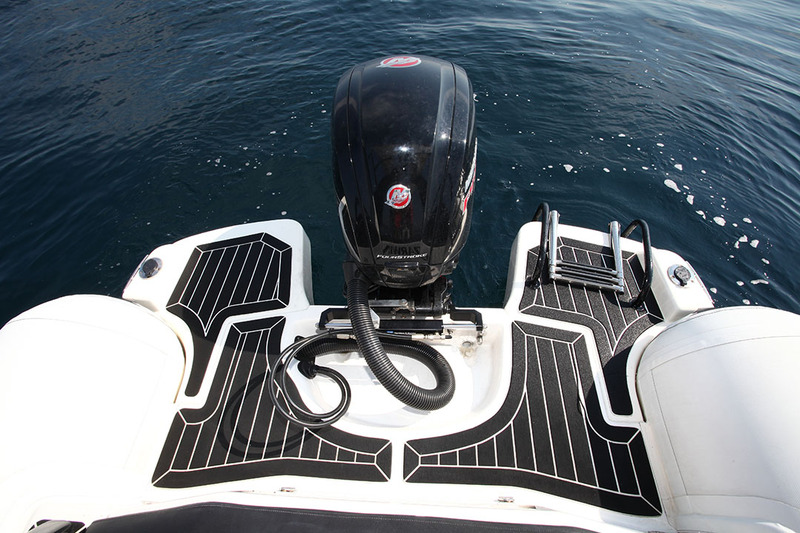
585	268
600	277
589	279
591	283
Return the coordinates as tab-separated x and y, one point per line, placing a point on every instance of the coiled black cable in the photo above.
308	349
293	410
370	343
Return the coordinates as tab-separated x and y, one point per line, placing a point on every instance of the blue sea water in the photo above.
126	125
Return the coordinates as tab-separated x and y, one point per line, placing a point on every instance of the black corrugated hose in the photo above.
369	344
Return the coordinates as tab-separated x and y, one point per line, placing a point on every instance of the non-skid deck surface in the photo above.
614	323
238	434
547	436
550	435
227	278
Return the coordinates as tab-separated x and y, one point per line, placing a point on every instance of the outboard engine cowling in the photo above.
404	167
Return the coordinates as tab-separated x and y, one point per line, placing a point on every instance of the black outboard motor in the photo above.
404	167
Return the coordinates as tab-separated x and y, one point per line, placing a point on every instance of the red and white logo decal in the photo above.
400	62
469	185
398	196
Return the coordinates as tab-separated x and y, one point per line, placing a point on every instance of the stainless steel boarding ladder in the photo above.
587	275
594	276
